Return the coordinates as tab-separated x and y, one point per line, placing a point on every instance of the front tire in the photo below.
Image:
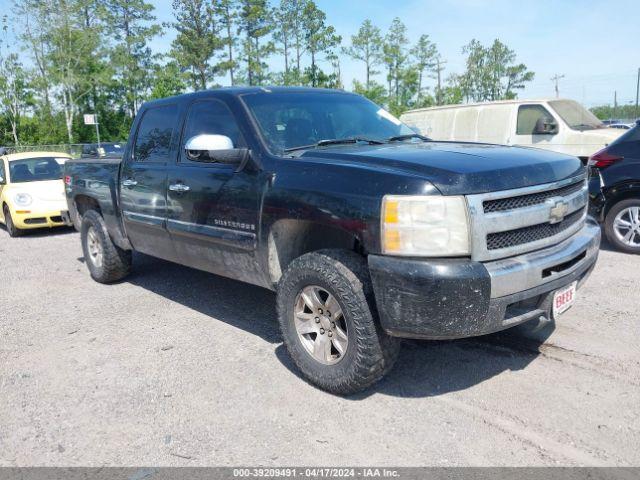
11	227
328	321
622	226
107	262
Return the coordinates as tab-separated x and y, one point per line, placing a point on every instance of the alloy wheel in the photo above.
321	325
94	246
627	226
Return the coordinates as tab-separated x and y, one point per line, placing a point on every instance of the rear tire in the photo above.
341	279
107	262
623	213
8	222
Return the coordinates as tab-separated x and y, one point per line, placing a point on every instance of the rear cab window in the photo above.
155	134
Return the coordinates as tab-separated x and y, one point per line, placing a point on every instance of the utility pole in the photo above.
98	130
439	68
555	79
615	104
637	95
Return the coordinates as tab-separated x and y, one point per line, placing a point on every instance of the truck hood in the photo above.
458	168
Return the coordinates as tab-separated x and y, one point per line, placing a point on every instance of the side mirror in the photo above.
215	149
545	126
2	180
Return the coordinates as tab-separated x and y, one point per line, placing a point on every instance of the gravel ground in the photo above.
179	367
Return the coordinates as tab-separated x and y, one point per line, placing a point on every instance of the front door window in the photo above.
528	118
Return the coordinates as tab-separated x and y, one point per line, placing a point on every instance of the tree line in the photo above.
60	59
618	112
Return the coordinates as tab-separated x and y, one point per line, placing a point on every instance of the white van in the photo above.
554	124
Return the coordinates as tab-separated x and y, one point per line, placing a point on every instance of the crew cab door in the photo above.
143	180
213	210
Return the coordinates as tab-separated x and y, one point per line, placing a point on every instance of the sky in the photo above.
594	44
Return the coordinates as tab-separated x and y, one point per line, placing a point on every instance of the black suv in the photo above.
614	188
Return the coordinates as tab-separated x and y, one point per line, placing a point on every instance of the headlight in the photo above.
23	199
425	226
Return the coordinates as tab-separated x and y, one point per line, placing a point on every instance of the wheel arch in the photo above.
620	192
84	203
289	239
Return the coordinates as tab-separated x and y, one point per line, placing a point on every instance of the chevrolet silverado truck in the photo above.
367	231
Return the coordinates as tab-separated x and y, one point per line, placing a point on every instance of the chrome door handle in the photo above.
129	183
179	187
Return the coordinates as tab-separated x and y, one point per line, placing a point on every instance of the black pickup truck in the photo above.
367	231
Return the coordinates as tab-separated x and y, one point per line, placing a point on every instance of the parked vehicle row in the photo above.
623	124
367	231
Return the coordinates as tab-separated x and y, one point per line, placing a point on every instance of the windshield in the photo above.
36	169
575	115
290	120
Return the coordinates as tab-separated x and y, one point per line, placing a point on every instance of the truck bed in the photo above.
92	183
107	160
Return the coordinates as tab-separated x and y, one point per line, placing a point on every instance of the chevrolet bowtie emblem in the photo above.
558	211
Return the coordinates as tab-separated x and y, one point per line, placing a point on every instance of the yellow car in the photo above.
31	190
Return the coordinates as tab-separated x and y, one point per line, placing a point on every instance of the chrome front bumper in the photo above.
535	269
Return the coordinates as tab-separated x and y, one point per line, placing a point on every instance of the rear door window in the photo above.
528	116
156	130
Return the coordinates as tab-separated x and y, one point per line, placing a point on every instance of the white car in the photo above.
559	125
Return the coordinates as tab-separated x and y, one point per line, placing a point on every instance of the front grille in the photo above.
512	203
56	219
533	233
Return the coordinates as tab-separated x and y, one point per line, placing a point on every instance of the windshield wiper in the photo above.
336	141
402	138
